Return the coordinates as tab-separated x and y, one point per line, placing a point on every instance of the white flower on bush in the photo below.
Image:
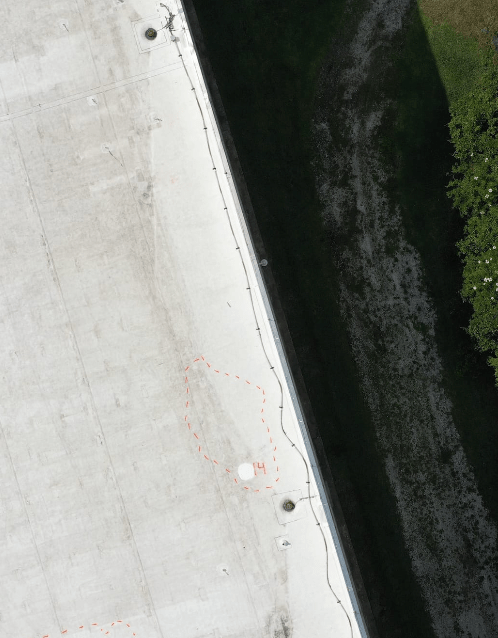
475	177
490	190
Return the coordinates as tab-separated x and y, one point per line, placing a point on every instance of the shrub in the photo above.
474	192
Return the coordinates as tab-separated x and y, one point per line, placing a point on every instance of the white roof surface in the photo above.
134	383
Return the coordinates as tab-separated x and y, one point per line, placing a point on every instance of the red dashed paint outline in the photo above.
103	630
200	360
95	626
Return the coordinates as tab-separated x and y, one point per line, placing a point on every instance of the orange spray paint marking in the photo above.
186	404
277	479
127	623
94	624
262	420
64	632
185	371
112	624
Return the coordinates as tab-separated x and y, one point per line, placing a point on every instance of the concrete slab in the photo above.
135	387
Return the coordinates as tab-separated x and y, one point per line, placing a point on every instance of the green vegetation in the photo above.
461	42
459	59
461	39
474	129
471	24
427	84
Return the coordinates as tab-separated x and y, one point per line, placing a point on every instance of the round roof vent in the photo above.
151	34
289	505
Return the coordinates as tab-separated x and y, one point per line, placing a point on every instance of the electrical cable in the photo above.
169	25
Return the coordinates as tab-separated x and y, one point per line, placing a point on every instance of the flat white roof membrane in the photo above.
150	432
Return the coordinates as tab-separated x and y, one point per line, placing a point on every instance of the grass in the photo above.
421	142
458	58
473	22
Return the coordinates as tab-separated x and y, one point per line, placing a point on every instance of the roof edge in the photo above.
345	544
